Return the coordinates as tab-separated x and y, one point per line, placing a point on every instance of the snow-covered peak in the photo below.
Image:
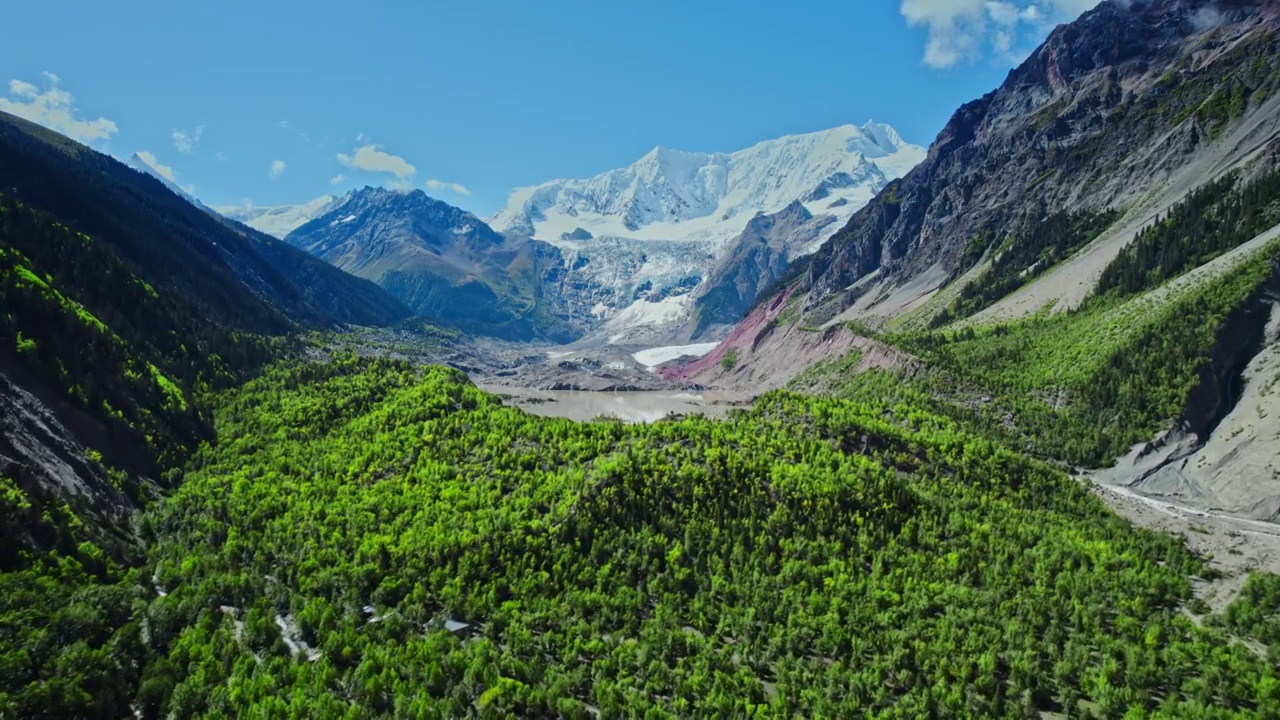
676	195
281	220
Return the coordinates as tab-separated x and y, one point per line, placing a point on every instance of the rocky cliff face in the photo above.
1100	115
755	260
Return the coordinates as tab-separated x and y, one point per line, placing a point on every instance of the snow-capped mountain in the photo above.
138	163
281	220
672	194
637	230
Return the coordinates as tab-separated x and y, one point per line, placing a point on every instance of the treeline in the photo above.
1038	246
1214	219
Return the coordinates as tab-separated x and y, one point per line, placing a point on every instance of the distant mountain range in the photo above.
443	262
669	247
281	220
676	195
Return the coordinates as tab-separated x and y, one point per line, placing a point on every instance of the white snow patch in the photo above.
709	197
284	219
293	640
644	314
663	222
654	357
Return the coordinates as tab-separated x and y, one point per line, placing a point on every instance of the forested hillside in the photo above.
376	537
238	277
1084	387
122	308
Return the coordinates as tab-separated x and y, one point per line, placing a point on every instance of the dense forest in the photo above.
375	538
1212	220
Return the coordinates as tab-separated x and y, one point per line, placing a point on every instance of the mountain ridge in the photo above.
443	262
652	239
280	220
1106	110
689	186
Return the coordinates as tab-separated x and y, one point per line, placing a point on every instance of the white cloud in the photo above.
166	171
17	88
371	158
963	30
284	124
434	184
221	156
337	179
186	141
277	169
55	109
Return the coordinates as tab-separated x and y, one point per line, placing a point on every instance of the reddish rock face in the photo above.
742	338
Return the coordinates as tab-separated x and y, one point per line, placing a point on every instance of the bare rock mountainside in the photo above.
1032	201
444	263
1130	107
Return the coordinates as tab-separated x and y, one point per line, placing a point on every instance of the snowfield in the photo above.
282	220
653	357
652	231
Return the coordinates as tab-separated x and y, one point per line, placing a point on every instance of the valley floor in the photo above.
641	406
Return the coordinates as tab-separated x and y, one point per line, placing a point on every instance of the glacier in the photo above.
647	234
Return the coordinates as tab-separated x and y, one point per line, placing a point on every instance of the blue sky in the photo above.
279	103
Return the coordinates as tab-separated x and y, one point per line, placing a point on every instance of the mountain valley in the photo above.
831	426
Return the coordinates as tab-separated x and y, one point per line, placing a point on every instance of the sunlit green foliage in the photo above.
1082	386
1256	613
809	557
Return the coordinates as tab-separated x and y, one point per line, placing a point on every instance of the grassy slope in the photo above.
1082	386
